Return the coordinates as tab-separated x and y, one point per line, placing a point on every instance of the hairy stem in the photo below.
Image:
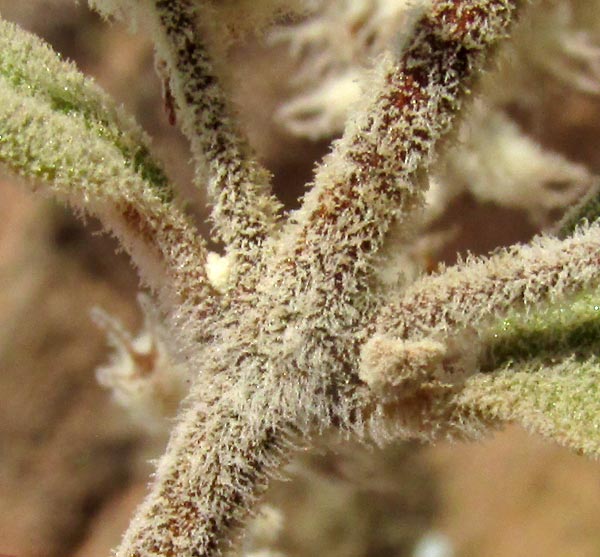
215	466
376	174
244	211
481	289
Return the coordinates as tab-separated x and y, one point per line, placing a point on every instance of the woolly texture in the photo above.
480	289
292	332
493	158
283	359
61	131
559	401
244	211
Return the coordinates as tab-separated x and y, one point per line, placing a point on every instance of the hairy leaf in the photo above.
560	401
31	69
60	130
547	373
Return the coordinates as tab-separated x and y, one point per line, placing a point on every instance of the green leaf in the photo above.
30	69
560	401
552	332
542	370
65	135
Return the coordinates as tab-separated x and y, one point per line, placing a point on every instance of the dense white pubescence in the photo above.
479	289
557	400
430	344
496	162
373	178
282	362
541	369
560	44
391	363
244	212
63	132
81	169
216	464
34	69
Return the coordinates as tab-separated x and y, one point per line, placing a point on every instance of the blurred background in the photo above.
73	466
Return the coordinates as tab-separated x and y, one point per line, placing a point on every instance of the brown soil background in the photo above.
72	467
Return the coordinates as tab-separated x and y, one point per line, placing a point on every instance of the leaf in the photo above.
546	373
551	331
64	134
560	401
31	69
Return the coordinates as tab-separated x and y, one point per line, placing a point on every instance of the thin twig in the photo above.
376	174
484	288
244	211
